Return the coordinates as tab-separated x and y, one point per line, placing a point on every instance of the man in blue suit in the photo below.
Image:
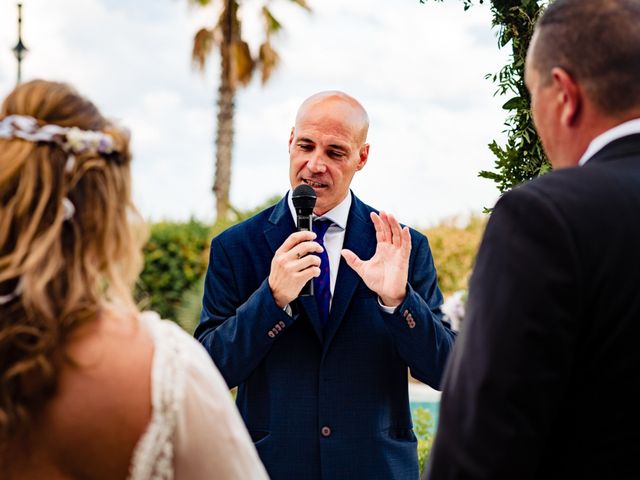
323	389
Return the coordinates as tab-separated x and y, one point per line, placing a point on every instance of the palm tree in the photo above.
237	68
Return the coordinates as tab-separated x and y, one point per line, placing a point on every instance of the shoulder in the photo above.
174	346
418	239
246	228
112	355
565	194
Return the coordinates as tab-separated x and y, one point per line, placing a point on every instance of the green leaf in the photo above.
512	104
272	24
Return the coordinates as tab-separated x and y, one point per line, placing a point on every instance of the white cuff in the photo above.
385	308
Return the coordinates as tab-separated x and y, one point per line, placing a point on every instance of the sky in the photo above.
418	69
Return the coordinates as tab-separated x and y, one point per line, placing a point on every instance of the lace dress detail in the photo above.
195	431
153	456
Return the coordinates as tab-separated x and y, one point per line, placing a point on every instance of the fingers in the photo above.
377	223
292	266
304	248
388	229
406	241
352	260
396	237
306	262
294	239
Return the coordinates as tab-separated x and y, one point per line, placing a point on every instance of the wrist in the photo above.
281	302
391	302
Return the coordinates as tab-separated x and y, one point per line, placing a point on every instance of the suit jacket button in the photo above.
281	323
325	431
405	313
271	334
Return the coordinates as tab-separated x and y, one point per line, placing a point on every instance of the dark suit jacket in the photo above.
329	404
544	382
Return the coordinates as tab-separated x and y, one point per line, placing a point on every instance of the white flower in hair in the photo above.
72	140
79	141
76	140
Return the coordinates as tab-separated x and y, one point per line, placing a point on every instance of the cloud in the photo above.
418	69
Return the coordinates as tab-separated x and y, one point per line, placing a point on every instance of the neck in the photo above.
591	125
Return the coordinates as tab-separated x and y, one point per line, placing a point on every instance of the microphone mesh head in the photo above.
304	197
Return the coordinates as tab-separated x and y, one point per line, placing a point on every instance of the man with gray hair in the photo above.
544	382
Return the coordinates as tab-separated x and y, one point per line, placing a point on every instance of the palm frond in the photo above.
200	3
203	43
303	4
272	25
269	61
242	63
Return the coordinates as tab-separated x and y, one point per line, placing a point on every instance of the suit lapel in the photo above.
359	238
276	231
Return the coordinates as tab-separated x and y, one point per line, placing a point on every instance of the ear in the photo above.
291	136
364	156
569	96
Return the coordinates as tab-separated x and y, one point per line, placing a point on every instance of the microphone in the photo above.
304	201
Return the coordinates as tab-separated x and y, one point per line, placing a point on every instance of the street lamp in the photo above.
20	50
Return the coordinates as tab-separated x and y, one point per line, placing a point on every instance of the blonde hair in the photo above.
68	269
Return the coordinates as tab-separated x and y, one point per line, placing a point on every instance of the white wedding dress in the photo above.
195	431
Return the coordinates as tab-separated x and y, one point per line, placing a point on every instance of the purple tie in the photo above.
322	284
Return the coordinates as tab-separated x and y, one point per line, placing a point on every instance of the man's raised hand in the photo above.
386	273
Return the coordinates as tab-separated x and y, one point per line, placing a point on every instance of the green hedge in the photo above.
175	262
454	249
175	259
423	427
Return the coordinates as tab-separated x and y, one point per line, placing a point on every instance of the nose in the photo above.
316	164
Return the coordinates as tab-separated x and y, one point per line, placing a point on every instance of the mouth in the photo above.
313	184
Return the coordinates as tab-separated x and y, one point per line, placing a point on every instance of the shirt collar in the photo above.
338	214
624	129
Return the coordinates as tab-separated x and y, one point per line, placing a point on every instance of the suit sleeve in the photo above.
237	333
513	358
421	337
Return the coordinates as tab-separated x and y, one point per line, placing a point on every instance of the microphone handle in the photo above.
305	224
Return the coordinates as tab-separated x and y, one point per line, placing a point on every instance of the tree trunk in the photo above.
224	134
224	145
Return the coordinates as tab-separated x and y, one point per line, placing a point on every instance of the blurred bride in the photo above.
90	387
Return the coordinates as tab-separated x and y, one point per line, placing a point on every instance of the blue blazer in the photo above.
322	403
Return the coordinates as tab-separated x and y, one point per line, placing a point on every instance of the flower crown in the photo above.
72	140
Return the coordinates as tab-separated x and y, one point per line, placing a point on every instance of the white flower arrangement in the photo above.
454	308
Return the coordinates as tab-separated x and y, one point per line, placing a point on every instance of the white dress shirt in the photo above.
623	130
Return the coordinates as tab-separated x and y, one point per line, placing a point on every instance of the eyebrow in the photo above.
333	146
339	147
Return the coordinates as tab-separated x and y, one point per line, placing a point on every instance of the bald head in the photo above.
339	103
327	146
